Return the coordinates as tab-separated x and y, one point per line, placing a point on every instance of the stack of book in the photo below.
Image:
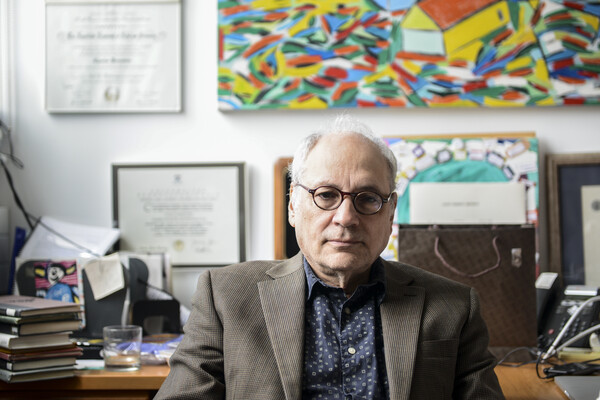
35	339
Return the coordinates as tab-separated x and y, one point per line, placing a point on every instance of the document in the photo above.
467	203
194	213
113	56
105	275
590	210
55	239
158	264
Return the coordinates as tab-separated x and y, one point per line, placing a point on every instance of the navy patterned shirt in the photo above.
343	348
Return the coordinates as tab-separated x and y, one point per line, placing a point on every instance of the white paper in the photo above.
159	267
56	239
105	275
590	210
113	56
184	283
89	364
467	203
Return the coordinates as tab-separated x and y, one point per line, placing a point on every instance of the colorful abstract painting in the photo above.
293	54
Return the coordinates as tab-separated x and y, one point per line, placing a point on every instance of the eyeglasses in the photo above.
329	198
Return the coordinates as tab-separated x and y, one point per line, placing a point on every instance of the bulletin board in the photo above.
484	157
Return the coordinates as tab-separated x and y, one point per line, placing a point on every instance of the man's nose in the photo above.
346	214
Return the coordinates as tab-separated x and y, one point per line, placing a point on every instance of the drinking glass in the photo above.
122	346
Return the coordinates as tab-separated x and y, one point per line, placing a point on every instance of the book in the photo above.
23	306
5	319
70	350
36	364
40	327
37	374
33	341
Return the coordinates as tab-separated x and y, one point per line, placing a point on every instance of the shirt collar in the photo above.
376	278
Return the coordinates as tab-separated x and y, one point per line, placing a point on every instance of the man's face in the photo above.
342	240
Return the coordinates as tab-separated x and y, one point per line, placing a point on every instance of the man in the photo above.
335	321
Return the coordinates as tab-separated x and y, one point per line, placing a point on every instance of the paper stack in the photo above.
34	338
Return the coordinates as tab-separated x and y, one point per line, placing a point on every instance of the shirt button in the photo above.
347	310
351	350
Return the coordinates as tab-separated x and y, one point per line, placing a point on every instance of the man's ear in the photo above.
291	211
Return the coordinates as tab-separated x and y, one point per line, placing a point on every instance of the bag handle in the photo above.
456	271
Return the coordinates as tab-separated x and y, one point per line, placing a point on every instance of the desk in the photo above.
522	383
92	384
517	383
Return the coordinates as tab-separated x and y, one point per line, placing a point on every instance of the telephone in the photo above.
554	307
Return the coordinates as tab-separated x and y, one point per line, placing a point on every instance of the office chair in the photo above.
156	316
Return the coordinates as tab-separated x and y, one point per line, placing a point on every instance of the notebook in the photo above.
580	387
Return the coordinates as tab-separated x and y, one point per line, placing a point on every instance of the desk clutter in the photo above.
62	307
39	339
113	302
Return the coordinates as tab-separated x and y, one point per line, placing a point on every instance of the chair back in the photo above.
157	316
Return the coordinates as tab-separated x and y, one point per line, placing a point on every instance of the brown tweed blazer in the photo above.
245	336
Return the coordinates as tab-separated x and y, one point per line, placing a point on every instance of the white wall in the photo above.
67	157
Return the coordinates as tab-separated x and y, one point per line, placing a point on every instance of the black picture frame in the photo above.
218	203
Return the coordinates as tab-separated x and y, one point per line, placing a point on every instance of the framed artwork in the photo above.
195	213
469	158
573	187
109	56
407	53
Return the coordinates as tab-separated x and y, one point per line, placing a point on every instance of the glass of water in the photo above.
122	347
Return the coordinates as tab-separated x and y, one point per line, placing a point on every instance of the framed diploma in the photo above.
573	186
193	212
113	56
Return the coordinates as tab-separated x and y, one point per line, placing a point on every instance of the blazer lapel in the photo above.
401	320
283	303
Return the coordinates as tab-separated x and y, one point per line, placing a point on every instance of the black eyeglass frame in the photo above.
344	194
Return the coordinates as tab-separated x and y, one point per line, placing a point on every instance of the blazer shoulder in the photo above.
415	276
251	272
248	270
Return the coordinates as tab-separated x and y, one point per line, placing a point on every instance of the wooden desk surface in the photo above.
517	383
522	383
149	377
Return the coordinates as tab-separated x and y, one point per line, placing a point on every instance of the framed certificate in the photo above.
113	56
193	212
573	185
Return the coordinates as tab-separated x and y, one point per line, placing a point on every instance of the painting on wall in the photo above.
294	54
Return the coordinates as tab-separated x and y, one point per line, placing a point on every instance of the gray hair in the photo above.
342	125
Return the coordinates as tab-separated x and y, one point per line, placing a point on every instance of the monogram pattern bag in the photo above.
499	262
